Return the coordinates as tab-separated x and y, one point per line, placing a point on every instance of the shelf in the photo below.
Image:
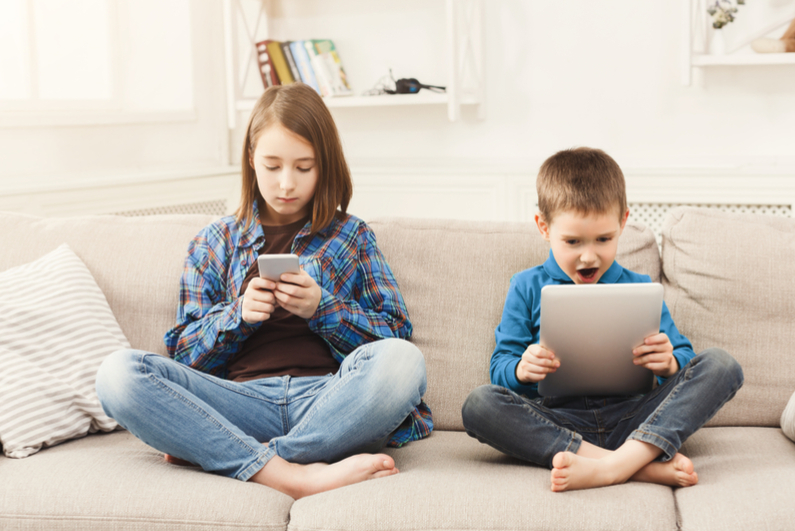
696	40
744	59
246	22
385	100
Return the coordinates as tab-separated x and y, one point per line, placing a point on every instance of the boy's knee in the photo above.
723	365
479	406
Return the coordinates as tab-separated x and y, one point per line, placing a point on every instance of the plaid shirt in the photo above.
360	301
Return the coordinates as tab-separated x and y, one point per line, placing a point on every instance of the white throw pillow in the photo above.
55	329
788	418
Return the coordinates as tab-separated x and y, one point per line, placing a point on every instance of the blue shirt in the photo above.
521	320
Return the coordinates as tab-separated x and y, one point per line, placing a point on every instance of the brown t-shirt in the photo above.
284	344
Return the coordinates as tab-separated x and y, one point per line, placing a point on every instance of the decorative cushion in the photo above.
788	418
55	329
727	285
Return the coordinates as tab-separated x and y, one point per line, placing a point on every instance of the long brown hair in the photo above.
298	108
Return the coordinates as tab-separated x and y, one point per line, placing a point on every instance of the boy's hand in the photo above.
298	293
258	300
536	363
657	355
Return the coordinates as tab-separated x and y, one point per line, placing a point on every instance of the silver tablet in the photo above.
592	329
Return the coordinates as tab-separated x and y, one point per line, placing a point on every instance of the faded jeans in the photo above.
221	425
536	429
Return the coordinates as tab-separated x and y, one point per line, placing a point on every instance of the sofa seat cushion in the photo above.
114	481
728	285
746	481
451	481
454	276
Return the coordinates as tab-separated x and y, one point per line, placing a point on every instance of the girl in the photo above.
270	381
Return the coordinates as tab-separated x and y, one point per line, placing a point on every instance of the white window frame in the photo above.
36	112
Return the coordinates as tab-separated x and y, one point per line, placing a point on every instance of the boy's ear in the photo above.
543	226
624	219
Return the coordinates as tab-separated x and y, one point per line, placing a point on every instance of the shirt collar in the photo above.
552	269
253	235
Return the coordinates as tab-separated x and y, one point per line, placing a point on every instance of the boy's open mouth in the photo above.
588	273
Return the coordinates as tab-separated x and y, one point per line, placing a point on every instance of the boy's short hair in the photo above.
585	180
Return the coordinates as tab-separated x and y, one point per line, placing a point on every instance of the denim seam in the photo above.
654	439
327	396
156	380
257	465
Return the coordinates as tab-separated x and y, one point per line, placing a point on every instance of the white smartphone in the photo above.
271	266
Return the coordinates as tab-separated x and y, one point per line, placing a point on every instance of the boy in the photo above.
592	441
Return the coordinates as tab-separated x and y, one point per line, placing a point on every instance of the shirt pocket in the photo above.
324	271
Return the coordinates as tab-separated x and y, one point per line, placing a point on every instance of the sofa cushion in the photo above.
55	330
746	480
136	262
451	481
788	418
728	285
114	481
454	276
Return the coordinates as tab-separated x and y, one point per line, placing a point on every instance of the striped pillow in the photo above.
55	329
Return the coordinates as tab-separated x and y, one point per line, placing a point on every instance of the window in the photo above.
102	60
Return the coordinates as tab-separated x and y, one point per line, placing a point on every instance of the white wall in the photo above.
559	74
603	74
98	165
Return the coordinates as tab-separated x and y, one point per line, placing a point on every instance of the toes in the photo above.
562	459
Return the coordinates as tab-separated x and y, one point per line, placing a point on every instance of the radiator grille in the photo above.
653	214
212	208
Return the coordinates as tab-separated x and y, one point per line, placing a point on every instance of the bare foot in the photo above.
298	481
678	472
571	472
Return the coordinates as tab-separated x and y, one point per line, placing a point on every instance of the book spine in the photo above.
304	67
333	66
279	62
266	69
288	55
322	75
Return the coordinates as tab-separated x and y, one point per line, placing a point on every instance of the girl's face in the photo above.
286	175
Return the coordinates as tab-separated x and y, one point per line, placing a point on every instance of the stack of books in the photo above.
314	62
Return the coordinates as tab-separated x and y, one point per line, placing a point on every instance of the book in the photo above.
338	79
279	62
301	58
319	67
288	55
265	64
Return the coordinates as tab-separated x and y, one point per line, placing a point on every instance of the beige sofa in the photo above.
728	281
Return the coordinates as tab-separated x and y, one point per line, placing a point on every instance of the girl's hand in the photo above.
657	355
299	294
258	300
536	363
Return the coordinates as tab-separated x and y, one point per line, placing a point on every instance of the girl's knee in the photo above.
115	376
401	362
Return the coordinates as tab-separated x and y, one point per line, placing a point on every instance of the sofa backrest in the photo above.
136	261
454	276
728	284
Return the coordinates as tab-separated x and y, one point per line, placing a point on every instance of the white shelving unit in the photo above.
464	28
696	37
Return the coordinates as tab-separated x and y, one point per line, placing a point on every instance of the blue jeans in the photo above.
221	425
536	429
